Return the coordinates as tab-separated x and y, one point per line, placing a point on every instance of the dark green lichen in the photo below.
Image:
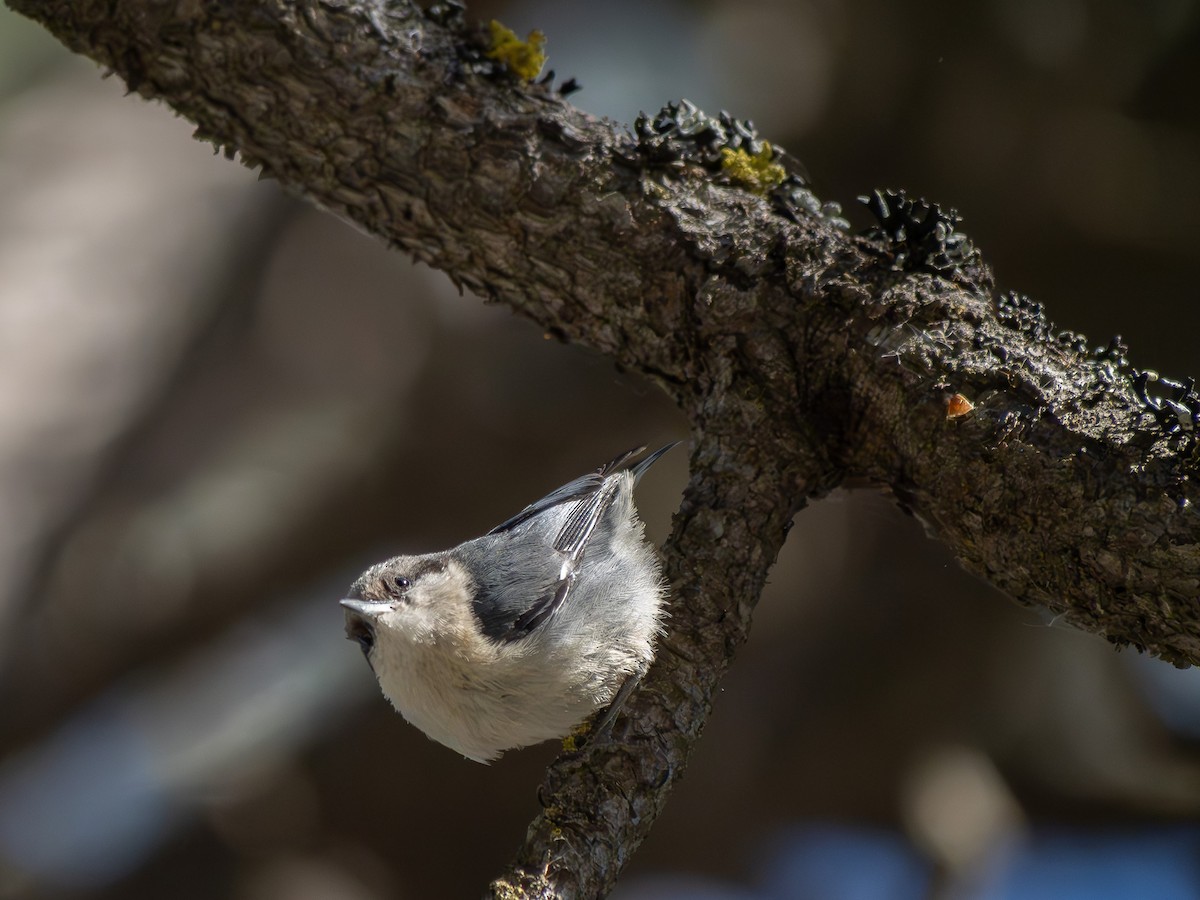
924	237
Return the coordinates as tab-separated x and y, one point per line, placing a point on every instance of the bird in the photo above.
518	636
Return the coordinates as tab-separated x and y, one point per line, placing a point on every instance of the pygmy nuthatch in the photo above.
516	637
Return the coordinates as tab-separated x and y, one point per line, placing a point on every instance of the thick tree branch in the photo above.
804	356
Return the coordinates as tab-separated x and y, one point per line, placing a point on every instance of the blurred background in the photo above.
217	406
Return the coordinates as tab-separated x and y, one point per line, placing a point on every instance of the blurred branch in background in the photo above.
262	450
75	319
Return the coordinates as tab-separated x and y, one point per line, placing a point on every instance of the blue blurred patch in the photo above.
86	808
835	862
1162	863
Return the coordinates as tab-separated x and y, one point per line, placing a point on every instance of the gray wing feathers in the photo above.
581	487
572	538
593	496
571	541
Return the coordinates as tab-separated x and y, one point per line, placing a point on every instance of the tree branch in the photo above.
805	357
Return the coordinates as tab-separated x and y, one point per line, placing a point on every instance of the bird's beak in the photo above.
366	608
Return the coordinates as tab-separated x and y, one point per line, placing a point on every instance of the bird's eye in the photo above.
401	583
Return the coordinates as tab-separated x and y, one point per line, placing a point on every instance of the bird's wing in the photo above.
571	542
592	495
583	486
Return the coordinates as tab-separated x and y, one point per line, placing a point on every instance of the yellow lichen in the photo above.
502	890
524	58
757	173
573	741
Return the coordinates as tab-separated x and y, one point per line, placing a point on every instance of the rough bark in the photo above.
805	357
